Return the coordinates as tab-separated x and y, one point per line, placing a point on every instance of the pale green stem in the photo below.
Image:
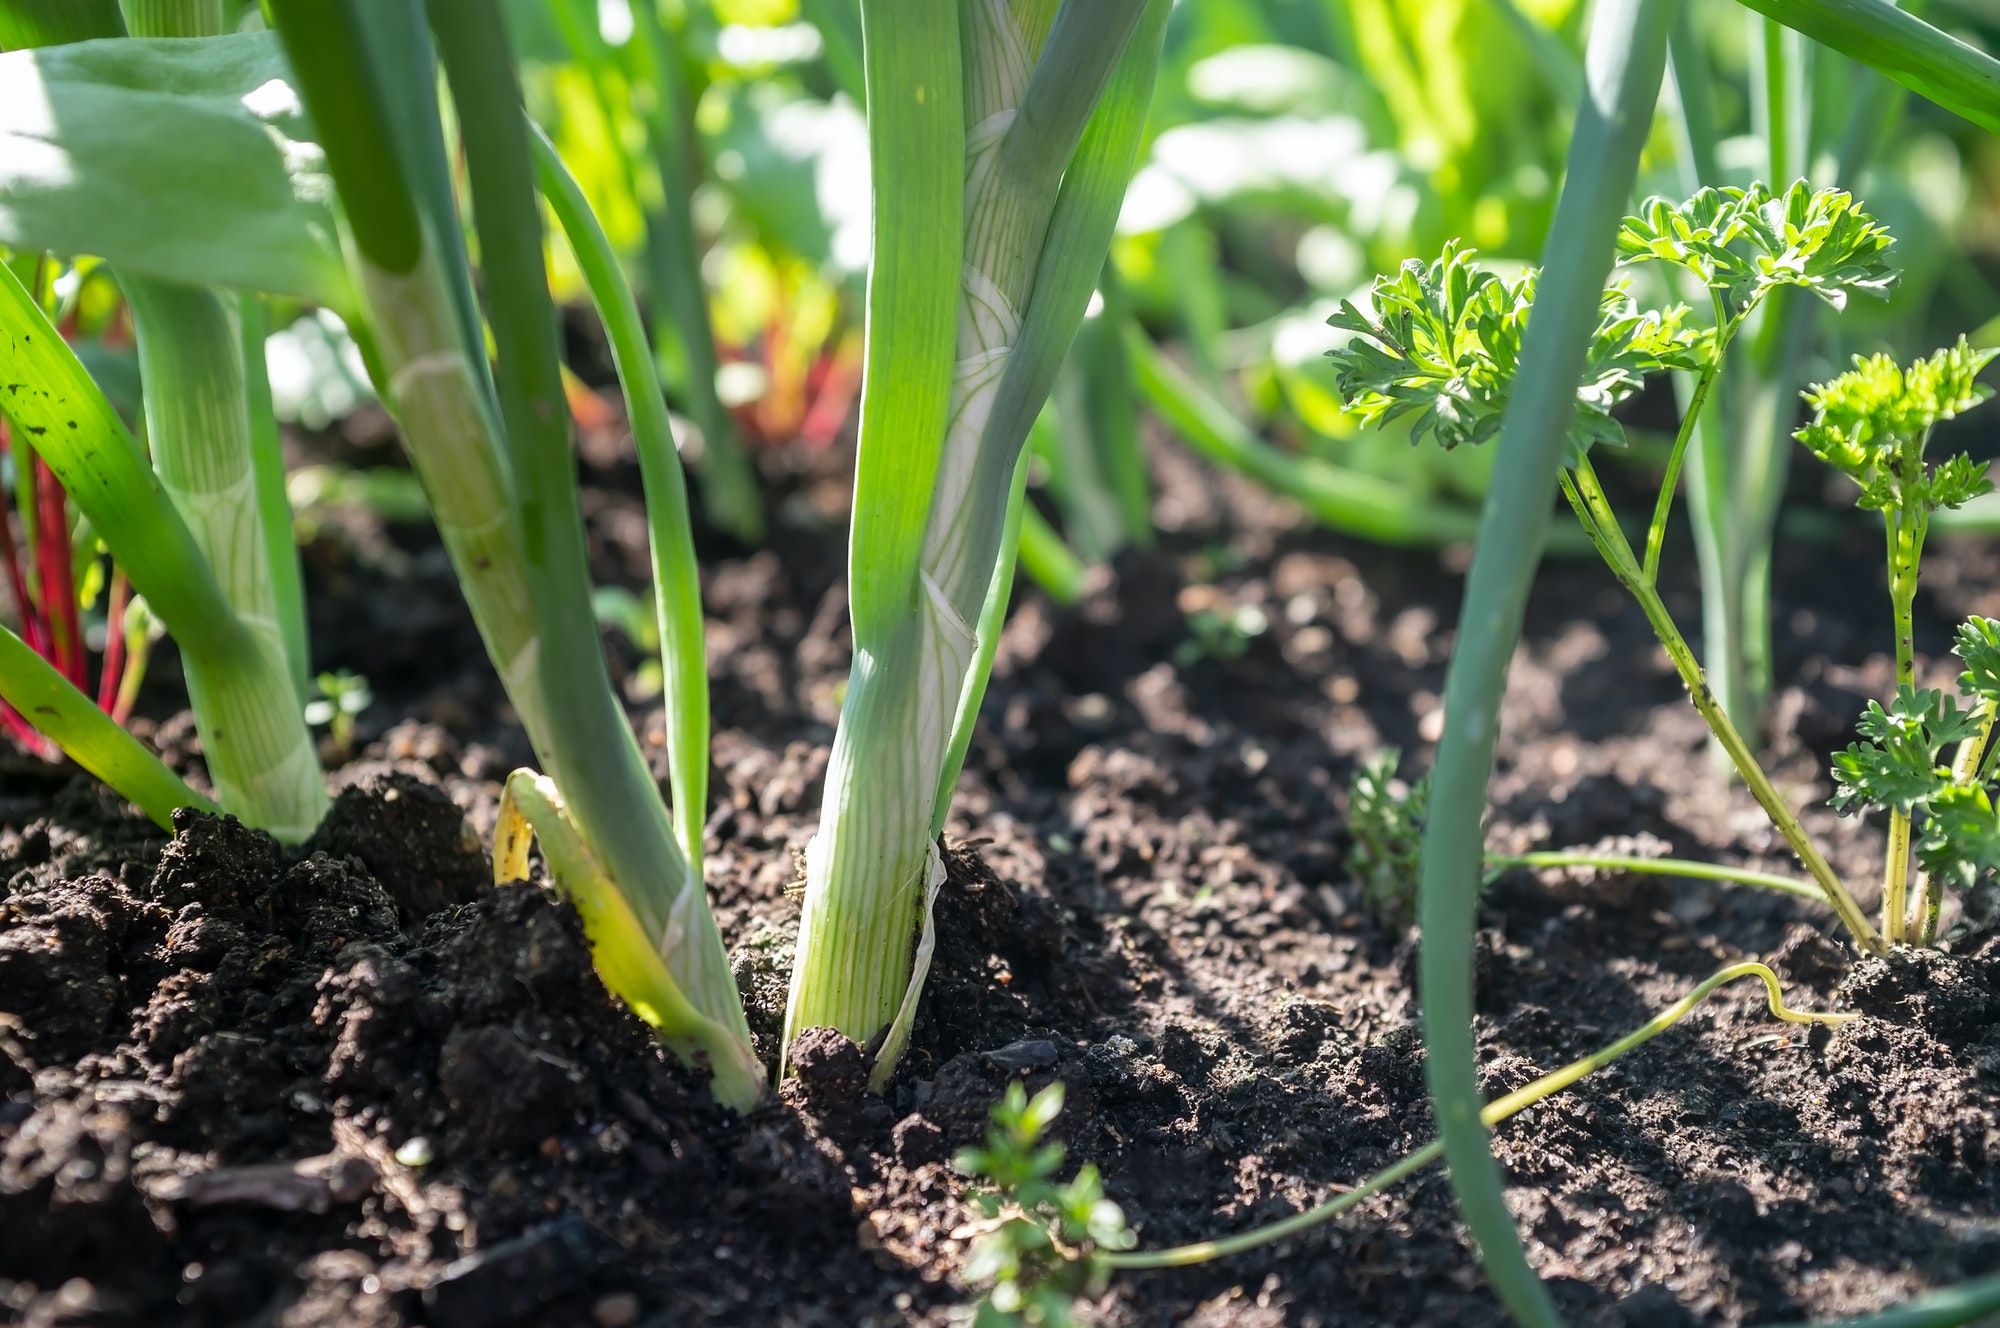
433	389
1905	536
1594	511
1700	871
254	737
1511	1104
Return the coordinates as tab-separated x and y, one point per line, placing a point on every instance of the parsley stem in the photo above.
1656	532
1594	510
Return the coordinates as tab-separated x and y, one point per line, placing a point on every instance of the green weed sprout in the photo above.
1872	424
343	695
1043	1242
1444	343
1386	819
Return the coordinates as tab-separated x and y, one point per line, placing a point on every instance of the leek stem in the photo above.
592	754
259	751
281	548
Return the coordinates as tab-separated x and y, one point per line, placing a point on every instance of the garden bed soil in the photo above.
355	1084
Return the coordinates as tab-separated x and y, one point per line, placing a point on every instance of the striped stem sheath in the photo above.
250	716
439	394
259	751
873	868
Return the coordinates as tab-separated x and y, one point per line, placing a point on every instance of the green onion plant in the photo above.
1001	139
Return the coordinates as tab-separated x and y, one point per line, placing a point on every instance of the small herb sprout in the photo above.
1872	424
343	695
1899	767
1039	1245
1220	635
1444	343
1386	818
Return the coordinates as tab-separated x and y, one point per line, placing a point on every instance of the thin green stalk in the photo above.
1624	60
1052	563
1594	510
1694	104
1968	1303
1656	531
1905	534
1700	871
592	754
1111	406
1341	499
839	24
90	737
991	617
728	480
274	508
676	574
1500	1109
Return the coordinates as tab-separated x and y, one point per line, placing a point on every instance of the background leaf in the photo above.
185	159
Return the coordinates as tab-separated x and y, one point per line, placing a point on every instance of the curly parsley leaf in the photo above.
1978	645
1896	765
1871	424
1443	342
1742	244
1960	837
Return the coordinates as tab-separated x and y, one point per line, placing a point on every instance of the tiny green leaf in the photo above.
1896	765
1979	646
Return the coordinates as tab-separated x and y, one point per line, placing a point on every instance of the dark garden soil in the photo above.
356	1085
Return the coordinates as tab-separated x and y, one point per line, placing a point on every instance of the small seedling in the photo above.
343	695
1386	818
1220	635
1040	1245
1872	424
